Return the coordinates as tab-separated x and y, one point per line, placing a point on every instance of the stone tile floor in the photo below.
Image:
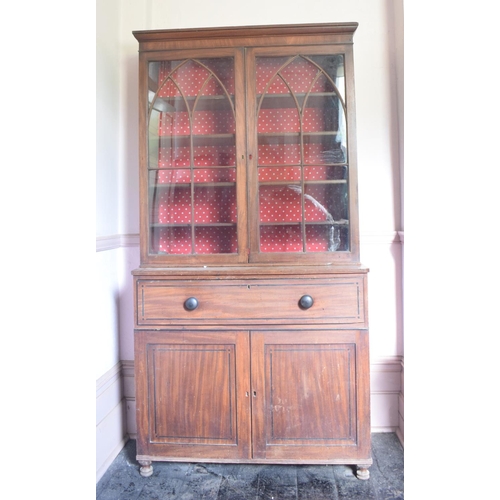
172	481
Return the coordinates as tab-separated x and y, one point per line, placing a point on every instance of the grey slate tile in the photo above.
191	481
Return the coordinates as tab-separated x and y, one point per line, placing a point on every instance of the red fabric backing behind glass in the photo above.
217	204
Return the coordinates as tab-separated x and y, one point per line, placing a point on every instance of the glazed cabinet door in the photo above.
193	179
193	394
302	164
310	399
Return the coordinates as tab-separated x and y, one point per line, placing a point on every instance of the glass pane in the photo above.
273	174
172	204
215	204
216	240
214	175
323	238
326	172
214	151
281	238
279	150
172	240
280	204
302	154
192	157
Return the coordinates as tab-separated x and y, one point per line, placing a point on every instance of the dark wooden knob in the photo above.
191	303
306	301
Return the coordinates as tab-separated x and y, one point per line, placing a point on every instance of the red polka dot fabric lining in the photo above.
197	147
282	204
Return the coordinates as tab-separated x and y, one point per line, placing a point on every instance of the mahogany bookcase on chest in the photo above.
251	323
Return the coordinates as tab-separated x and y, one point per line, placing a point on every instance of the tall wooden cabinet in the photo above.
251	324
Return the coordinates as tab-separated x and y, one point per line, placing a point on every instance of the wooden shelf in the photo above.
188	167
299	183
168	141
157	225
341	222
189	184
279	101
178	104
299	165
294	137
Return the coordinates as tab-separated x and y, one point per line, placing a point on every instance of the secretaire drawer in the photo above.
215	302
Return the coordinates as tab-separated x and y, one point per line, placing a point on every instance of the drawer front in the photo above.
163	302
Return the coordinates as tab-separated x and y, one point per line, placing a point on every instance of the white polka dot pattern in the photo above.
189	89
289	154
211	204
278	120
215	204
204	122
289	238
209	156
208	240
300	75
282	207
193	78
281	204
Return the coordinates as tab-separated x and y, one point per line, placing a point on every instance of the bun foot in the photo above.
363	473
146	469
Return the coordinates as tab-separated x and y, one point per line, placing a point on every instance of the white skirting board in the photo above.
111	414
386	393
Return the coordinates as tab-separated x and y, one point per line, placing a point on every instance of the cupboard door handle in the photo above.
306	301
191	303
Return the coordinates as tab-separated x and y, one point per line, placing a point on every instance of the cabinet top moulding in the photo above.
245	272
237	36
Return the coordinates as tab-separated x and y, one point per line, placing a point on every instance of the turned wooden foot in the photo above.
362	472
146	469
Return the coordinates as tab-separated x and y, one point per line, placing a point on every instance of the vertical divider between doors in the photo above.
241	170
251	152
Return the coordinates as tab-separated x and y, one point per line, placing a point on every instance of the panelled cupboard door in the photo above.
310	398
193	395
